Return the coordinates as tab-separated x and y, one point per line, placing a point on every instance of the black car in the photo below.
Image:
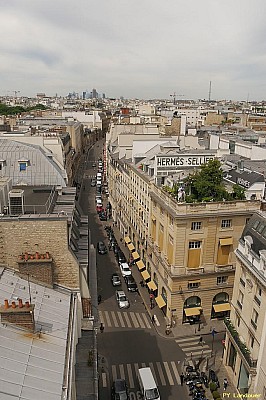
119	390
103	216
93	182
116	249
115	279
121	258
131	283
101	248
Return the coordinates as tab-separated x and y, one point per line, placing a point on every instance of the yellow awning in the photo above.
131	246
145	275
127	239
151	285
192	311
135	255
140	264
222	307
226	241
160	301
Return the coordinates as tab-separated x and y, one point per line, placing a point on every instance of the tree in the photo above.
238	192
206	184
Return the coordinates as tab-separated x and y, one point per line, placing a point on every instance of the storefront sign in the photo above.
182	161
242	182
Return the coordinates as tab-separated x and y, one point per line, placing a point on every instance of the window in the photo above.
255	316
251	341
193	285
237	321
226	223
22	166
171	221
195	226
194	245
240	299
221	279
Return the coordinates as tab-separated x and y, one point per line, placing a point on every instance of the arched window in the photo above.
222	297
155	278
193	301
164	294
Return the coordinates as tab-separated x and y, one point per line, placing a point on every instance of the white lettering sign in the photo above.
242	182
182	161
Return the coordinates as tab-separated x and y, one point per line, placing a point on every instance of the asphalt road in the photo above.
129	340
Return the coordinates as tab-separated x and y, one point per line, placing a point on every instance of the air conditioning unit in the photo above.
16	201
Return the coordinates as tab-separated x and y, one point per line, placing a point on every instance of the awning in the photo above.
135	255
127	239
152	285
145	275
140	264
131	246
226	241
222	307
192	311
160	301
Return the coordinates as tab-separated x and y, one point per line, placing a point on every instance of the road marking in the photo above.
114	372
194	348
114	319
135	322
195	338
130	376
159	367
141	323
198	353
127	320
122	371
168	373
153	372
136	367
144	316
177	377
104	379
109	323
119	314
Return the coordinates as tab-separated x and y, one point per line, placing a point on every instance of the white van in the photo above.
99	175
147	384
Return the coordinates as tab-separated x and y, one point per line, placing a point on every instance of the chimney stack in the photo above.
21	315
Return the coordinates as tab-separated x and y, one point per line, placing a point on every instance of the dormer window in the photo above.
248	243
2	164
23	164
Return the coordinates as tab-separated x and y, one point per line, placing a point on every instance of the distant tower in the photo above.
210	90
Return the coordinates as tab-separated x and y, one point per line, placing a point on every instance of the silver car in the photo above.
121	299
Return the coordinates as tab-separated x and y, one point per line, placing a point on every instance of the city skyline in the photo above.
139	50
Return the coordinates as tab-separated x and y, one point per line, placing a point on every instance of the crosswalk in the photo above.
165	373
119	319
192	348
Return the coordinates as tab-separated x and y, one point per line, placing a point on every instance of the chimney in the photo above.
20	315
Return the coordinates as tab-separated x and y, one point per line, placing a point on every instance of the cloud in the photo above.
145	48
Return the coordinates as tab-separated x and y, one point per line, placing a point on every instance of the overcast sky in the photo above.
141	48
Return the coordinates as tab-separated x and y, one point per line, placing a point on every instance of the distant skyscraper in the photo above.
94	94
103	95
83	95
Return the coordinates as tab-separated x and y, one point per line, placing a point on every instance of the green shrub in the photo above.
213	386
216	395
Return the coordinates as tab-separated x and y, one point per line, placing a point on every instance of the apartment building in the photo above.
245	347
187	249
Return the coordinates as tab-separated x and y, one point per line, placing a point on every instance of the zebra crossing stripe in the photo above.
195	338
136	367
107	318
144	316
119	314
199	353
127	320
168	373
159	367
194	348
114	319
141	323
177	377
104	379
153	372
135	322
130	376
114	372
122	371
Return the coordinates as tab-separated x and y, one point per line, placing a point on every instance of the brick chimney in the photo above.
21	315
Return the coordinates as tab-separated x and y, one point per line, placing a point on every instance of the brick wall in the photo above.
26	235
23	320
40	270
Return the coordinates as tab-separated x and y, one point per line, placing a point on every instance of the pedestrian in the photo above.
182	379
101	327
225	383
201	340
153	319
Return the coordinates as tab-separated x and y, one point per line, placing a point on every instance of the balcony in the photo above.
237	342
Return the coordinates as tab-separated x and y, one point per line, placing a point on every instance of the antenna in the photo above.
29	287
210	90
174	95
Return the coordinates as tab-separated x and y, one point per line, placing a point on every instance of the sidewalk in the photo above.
183	330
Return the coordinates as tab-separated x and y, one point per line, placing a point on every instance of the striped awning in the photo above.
140	264
160	301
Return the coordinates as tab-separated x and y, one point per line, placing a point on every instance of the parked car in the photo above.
131	283
116	249
103	216
121	258
99	209
93	165
101	248
125	270
99	202
120	390
93	182
116	281
121	298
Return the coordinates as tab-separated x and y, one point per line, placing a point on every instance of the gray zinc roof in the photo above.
32	365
